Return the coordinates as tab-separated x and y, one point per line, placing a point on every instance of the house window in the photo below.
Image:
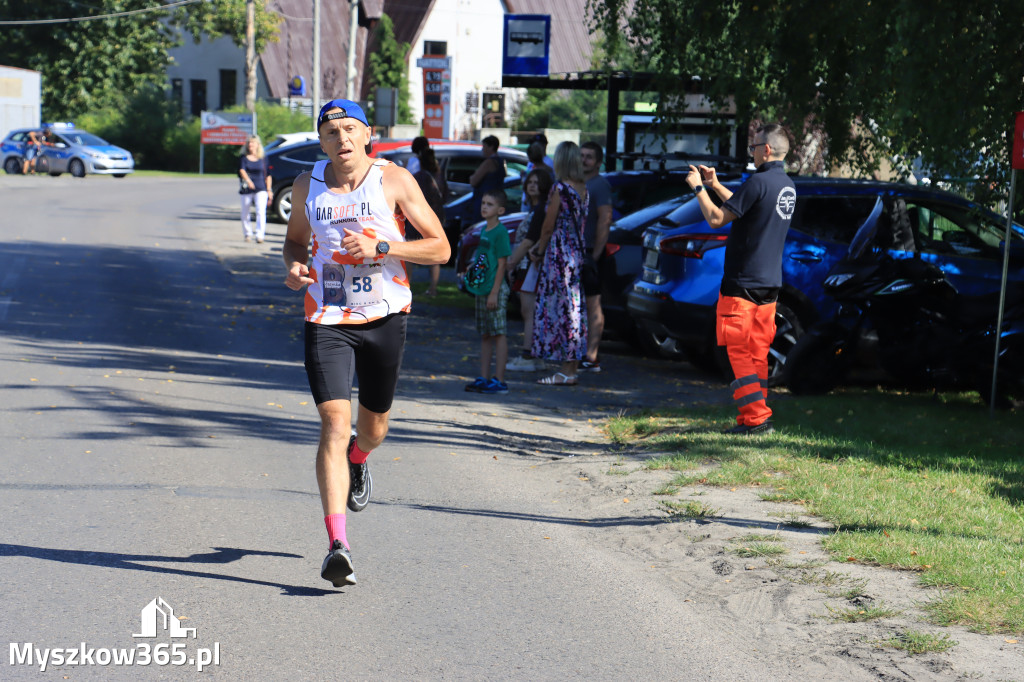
197	97
177	91
228	88
435	47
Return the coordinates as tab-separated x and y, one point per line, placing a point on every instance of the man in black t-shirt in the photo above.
760	212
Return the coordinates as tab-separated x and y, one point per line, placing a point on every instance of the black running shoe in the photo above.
360	482
748	430
337	568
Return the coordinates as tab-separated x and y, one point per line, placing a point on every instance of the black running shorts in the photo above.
591	274
373	350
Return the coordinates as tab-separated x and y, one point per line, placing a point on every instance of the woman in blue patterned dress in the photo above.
560	316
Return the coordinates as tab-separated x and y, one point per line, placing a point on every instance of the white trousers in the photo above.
260	199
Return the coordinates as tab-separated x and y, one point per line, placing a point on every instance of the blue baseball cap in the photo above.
349	109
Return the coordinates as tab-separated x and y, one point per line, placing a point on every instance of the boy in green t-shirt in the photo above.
491	291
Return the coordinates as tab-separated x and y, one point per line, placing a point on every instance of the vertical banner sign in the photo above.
1017	161
437	94
527	45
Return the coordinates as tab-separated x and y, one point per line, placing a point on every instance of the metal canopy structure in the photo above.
615	83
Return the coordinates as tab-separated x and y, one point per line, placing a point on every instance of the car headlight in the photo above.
95	155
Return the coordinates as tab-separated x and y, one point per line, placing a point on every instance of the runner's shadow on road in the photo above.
540	518
219	555
487	437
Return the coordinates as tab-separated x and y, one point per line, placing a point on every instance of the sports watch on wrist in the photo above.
383	248
698	189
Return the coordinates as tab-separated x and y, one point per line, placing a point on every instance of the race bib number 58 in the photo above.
355	286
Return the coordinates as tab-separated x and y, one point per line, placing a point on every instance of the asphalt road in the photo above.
158	440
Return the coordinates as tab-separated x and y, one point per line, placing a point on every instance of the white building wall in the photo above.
203	61
20	99
473	30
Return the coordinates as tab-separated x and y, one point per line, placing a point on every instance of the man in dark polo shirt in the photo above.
760	212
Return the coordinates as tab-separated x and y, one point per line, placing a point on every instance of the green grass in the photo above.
857	614
914	642
915	482
179	174
667	489
689	510
448	295
755	550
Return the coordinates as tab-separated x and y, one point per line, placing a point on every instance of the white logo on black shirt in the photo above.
786	203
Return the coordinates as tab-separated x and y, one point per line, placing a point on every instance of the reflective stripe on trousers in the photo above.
747	330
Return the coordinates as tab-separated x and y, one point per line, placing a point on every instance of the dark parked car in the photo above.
458	160
683	258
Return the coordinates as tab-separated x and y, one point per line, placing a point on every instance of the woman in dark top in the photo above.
254	188
434	188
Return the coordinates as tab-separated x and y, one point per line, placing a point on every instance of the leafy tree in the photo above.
897	79
388	67
87	64
102	64
218	18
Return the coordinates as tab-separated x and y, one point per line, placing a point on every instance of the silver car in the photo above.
70	150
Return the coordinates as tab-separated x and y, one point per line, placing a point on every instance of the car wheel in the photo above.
659	345
788	330
76	168
12	166
283	204
818	363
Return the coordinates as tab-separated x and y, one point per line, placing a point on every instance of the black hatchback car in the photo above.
458	160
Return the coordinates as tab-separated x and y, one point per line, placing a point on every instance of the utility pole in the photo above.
250	55
353	34
316	61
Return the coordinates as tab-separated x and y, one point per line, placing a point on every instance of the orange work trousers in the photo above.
747	329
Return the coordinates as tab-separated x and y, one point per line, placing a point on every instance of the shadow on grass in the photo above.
916	431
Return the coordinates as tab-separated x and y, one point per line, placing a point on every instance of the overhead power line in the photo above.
69	20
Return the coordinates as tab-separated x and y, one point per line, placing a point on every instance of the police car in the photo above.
66	149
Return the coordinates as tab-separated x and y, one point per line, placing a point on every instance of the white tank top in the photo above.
347	290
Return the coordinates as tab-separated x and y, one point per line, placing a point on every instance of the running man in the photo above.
354	208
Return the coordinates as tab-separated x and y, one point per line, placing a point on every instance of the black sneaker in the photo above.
755	430
337	568
360	483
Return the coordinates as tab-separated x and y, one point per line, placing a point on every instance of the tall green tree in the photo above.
87	65
105	63
388	68
217	18
901	79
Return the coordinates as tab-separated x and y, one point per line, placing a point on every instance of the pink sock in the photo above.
355	455
336	529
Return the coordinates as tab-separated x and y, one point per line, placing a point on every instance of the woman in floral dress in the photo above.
560	316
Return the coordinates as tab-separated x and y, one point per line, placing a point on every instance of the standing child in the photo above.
485	279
